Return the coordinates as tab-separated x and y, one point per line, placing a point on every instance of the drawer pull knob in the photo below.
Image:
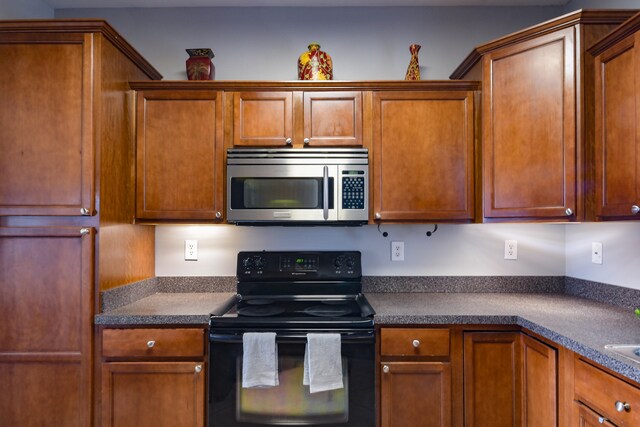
198	369
635	209
306	141
151	343
622	406
84	231
568	211
385	369
218	215
288	141
416	343
602	420
85	212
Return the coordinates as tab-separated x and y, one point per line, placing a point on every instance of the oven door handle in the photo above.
325	192
288	338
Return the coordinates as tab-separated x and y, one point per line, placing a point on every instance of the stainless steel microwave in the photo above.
307	186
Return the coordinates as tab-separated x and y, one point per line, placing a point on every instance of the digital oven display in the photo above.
299	263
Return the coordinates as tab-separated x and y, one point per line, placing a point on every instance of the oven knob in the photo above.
337	262
350	262
247	263
258	262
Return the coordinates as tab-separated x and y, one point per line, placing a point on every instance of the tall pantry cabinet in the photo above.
66	208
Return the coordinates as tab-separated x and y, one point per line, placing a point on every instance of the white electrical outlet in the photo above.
596	252
190	250
510	249
397	251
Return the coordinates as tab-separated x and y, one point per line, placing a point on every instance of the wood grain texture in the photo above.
416	394
588	418
153	394
179	155
493	379
133	343
539	382
399	342
333	118
423	156
262	118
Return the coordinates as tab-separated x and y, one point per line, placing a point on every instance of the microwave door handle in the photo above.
325	193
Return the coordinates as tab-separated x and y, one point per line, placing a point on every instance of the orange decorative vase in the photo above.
315	64
199	65
413	71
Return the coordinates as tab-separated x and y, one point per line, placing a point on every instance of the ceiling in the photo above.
65	4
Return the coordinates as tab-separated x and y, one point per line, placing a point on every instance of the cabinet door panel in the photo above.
416	394
179	155
617	141
45	125
529	152
153	394
423	155
588	418
492	379
333	118
539	384
262	118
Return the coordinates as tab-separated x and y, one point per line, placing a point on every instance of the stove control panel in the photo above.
307	265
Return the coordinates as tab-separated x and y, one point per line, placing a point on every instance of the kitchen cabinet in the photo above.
153	377
417	384
66	209
607	396
588	418
617	123
423	154
537	117
297	118
180	158
509	380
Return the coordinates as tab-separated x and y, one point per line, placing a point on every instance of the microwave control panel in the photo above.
353	190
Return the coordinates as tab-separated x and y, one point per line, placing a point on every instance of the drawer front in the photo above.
414	342
153	343
600	391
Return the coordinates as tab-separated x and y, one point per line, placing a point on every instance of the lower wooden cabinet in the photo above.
153	377
587	418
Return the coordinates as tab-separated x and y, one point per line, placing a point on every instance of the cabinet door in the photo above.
617	132
262	118
150	394
588	418
415	394
539	384
492	379
46	300
423	144
332	118
529	129
179	155
46	124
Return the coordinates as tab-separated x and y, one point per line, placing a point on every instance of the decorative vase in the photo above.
315	64
413	71
199	65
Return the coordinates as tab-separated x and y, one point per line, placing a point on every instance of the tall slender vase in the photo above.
199	64
315	64
413	71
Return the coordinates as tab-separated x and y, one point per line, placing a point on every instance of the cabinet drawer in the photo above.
600	391
414	342
153	343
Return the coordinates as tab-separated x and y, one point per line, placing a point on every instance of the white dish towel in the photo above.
323	362
259	360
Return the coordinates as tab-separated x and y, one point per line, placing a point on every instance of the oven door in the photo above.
290	403
282	192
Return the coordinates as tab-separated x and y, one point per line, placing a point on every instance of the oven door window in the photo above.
279	193
291	403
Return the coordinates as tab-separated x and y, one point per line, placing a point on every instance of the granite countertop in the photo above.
579	324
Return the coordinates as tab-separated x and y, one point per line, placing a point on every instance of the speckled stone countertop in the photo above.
582	325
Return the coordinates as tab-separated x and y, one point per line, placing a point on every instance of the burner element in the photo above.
327	311
260	311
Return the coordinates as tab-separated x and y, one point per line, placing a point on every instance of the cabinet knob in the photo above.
288	141
84	231
385	369
602	420
84	211
151	343
635	209
378	216
568	211
416	343
306	141
198	369
218	215
622	406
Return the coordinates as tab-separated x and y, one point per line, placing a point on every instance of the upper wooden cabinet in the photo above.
537	116
617	118
180	159
423	154
51	85
297	118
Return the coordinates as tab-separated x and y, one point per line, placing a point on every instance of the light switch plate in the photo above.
596	252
